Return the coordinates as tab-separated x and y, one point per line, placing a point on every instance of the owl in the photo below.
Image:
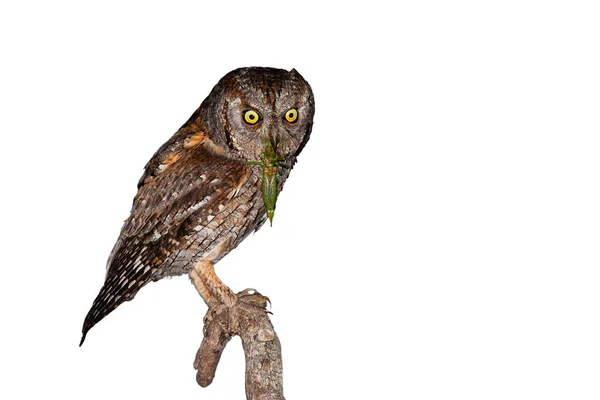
209	186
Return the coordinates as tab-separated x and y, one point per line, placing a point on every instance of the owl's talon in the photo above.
253	298
245	298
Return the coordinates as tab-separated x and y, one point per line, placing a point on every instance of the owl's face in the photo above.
260	105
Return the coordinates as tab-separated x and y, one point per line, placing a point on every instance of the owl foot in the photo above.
252	297
249	299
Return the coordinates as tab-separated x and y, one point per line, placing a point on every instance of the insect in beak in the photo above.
269	164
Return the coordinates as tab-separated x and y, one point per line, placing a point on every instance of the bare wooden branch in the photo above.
210	351
249	320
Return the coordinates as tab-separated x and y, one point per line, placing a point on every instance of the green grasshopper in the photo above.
269	163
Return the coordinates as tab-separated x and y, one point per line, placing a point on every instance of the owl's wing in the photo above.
185	187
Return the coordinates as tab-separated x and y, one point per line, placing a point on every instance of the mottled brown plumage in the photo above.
197	198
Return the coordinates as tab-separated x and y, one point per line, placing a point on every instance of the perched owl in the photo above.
206	188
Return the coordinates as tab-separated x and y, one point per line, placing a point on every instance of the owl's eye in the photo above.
291	115
251	117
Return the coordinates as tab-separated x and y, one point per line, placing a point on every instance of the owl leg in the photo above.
217	295
205	271
206	295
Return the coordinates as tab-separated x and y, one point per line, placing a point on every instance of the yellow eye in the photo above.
291	115
251	117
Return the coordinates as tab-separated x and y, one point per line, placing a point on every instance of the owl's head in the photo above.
252	106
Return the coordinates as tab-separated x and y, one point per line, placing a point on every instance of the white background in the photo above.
438	238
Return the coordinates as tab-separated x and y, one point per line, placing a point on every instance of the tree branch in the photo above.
249	320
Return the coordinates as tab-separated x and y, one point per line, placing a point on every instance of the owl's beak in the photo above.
274	143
